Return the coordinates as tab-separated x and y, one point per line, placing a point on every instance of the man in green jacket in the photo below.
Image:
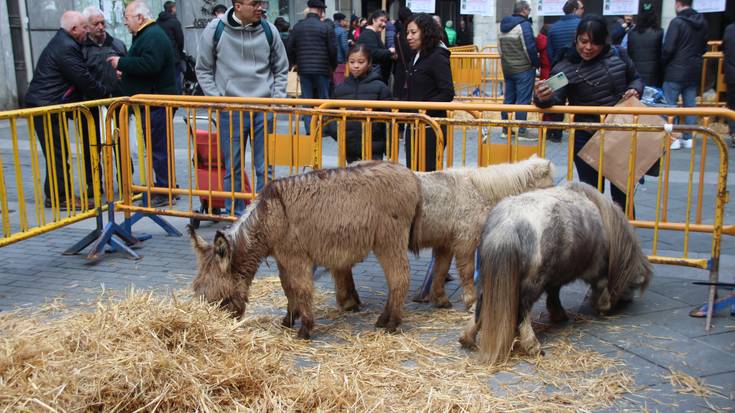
149	68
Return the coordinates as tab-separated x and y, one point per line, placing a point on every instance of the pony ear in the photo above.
199	244
222	250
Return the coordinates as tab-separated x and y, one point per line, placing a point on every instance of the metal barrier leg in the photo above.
88	239
170	230
111	235
423	294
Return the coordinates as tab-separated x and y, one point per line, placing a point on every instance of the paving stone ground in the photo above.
651	336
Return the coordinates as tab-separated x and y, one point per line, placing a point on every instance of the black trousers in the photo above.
430	148
56	153
88	147
588	174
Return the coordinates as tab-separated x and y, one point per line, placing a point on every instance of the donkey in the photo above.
331	218
539	241
455	205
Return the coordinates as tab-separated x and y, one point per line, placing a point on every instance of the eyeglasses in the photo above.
130	16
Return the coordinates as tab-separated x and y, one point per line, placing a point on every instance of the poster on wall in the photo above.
620	7
480	7
709	6
421	6
551	7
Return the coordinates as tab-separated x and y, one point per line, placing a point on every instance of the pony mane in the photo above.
626	259
499	181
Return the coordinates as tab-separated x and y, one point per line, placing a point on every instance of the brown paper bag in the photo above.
617	147
293	86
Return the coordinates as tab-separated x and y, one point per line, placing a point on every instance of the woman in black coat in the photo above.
599	75
429	77
382	56
362	84
644	48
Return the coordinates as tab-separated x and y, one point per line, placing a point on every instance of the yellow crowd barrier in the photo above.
61	184
471	48
477	76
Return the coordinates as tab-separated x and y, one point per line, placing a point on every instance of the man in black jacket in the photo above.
171	25
312	47
61	76
684	45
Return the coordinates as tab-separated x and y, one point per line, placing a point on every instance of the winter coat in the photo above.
171	25
561	36
728	49
430	79
381	55
403	62
312	46
369	87
149	65
684	45
95	56
244	63
451	36
61	75
517	45
542	45
340	35
644	50
601	81
464	37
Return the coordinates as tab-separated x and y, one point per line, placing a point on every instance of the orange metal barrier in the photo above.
470	48
477	76
63	141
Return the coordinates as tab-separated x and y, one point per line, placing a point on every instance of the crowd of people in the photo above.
242	54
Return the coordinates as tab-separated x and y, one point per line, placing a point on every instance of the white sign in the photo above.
481	7
709	6
551	7
421	6
620	7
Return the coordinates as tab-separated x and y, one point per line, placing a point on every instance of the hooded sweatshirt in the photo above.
243	64
517	45
684	45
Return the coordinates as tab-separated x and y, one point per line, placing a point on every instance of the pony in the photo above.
331	218
455	205
538	242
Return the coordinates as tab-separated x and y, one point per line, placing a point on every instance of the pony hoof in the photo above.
303	334
467	342
287	322
382	321
392	326
441	302
351	305
559	317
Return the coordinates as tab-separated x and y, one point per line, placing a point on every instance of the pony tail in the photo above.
414	234
501	278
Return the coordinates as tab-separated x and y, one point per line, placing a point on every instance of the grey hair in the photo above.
521	6
139	7
70	19
92	11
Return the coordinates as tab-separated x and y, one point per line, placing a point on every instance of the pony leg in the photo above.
344	285
528	341
302	287
442	262
466	268
396	269
292	313
601	300
553	305
468	339
530	293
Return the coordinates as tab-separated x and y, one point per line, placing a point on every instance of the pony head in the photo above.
542	171
217	281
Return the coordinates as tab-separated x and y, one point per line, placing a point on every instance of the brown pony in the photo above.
331	218
455	207
539	241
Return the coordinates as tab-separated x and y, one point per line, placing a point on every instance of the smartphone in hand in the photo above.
557	81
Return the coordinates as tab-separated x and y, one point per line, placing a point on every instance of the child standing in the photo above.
361	84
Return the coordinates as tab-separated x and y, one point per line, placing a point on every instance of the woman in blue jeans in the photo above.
598	75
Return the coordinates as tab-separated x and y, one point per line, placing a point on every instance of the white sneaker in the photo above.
688	143
676	144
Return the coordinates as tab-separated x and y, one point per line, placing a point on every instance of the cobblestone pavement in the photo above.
651	336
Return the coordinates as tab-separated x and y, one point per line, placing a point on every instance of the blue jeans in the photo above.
688	92
258	152
518	89
313	86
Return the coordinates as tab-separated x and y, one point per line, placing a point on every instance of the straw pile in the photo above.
147	352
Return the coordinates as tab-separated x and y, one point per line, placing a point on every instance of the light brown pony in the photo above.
331	218
539	241
455	206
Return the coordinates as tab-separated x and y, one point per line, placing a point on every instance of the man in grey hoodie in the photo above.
246	61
